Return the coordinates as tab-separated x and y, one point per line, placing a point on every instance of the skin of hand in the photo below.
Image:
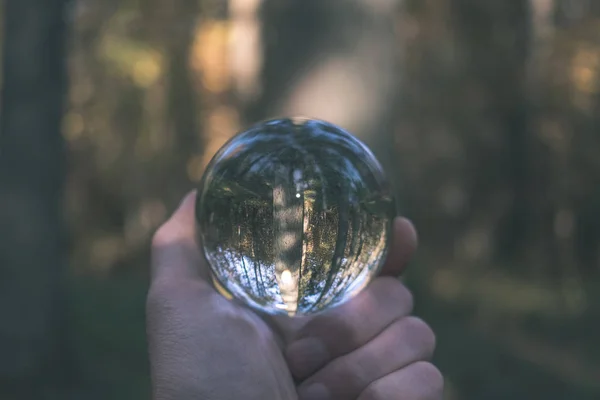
203	346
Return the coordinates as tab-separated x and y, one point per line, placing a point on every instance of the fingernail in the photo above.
316	391
306	356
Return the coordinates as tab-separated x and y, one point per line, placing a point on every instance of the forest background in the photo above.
485	113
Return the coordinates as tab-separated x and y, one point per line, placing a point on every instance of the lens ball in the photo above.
294	216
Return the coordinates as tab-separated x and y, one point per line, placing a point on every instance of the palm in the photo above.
259	348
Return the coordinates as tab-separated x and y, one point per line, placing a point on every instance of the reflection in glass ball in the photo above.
294	216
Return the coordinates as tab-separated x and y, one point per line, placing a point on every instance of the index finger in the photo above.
340	330
402	247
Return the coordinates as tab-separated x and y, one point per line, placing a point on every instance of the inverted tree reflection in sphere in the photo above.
294	216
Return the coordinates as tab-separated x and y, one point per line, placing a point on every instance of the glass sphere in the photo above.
294	216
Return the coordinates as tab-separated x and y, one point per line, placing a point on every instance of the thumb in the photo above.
175	247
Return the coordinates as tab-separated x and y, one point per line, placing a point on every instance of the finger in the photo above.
405	342
341	330
402	247
175	250
418	381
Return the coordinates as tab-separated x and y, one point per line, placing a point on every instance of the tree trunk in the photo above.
497	38
333	60
32	168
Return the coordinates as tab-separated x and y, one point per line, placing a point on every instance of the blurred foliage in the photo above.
497	146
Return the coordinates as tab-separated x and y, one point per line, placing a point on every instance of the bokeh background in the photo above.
485	113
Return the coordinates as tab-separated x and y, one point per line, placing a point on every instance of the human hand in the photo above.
203	346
